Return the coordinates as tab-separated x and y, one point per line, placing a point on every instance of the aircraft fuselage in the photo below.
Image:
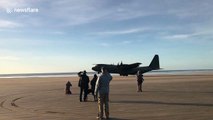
128	69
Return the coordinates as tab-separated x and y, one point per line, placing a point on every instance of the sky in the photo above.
41	36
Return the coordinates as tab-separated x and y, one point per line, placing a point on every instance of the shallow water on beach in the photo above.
74	74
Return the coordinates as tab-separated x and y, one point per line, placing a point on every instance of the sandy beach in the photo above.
164	97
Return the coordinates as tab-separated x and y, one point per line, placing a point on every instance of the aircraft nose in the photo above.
93	68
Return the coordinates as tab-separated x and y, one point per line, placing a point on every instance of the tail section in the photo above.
154	65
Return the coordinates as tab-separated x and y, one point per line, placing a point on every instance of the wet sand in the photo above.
164	97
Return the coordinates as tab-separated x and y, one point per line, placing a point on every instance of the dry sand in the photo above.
167	97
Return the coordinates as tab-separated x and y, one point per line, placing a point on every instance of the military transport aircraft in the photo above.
128	69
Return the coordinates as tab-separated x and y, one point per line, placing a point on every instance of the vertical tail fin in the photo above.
154	65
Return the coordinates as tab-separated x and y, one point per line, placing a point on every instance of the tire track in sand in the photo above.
14	100
9	102
2	105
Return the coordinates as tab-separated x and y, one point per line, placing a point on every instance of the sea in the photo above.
33	75
72	74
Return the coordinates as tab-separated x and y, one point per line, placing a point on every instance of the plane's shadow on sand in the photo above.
112	118
163	103
179	92
194	92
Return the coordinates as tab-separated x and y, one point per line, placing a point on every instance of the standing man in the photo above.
93	83
102	89
140	81
84	85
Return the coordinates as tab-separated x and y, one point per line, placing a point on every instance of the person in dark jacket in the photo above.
93	83
68	86
140	81
84	85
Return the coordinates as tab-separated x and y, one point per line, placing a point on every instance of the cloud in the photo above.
191	9
22	43
53	13
9	58
57	33
178	36
69	13
8	24
90	11
121	32
127	42
105	44
4	4
204	35
73	12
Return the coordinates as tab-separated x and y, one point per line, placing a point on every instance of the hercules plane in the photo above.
129	69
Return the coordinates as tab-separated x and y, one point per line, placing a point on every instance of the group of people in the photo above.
100	88
84	85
